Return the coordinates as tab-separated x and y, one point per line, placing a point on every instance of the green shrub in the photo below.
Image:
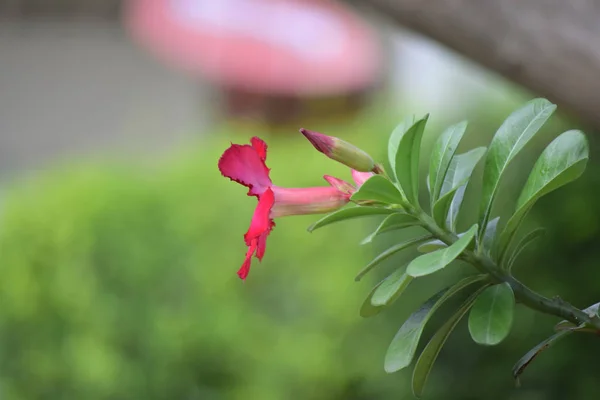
120	283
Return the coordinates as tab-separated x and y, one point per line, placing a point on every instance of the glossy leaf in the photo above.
442	154
392	222
390	252
533	353
404	345
508	141
432	262
458	174
378	188
454	208
490	234
432	349
563	161
491	317
391	288
367	309
349	213
395	138
406	166
522	245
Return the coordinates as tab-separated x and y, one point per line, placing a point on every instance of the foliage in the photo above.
489	242
117	284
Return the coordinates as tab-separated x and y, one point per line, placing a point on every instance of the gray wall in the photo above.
74	86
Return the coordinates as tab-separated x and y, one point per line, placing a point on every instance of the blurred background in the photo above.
119	239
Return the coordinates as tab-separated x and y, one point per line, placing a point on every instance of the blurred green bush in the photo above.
120	283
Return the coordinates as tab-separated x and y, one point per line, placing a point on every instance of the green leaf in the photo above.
395	138
460	169
522	245
490	234
563	161
508	141
454	208
406	165
591	311
390	252
431	245
367	309
349	213
458	174
378	188
391	288
533	353
443	151
404	345
395	221
432	349
491	317
432	262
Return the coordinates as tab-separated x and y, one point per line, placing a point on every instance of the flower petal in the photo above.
245	164
261	221
360	177
260	227
260	146
245	268
262	242
340	184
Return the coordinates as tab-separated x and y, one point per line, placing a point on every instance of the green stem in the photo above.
555	306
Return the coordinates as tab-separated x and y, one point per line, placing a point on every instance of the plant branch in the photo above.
555	306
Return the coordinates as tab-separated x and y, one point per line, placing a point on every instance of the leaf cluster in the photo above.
488	301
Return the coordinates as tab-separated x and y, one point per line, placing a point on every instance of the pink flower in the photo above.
245	164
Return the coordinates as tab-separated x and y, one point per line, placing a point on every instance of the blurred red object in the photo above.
282	46
297	48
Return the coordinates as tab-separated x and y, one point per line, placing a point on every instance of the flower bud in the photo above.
340	151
